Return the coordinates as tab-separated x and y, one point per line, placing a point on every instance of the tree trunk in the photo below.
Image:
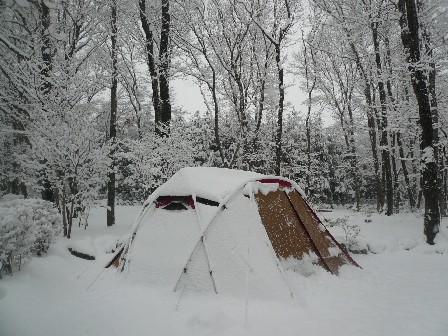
411	41
397	196
384	141
377	124
216	120
45	72
46	48
371	124
411	192
113	119
395	135
444	178
420	192
354	156
310	88
281	93
70	220
435	120
64	212
260	108
149	47
163	129
426	37
308	146
159	74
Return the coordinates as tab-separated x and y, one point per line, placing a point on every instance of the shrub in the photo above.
27	226
351	233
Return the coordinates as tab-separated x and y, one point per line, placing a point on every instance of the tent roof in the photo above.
207	182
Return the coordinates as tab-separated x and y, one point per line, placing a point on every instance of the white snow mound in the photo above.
84	246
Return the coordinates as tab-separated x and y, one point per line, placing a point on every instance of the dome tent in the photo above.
223	230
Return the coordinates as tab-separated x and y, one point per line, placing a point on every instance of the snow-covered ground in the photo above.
401	290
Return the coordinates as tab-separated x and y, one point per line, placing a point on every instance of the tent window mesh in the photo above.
175	202
175	206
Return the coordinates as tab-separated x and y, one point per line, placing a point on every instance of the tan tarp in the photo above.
294	230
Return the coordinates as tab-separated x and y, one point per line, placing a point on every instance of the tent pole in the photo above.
205	249
205	245
248	265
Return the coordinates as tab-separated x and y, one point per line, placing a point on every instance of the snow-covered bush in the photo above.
351	234
351	231
17	236
27	226
47	221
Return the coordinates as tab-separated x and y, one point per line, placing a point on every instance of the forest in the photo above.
223	167
88	112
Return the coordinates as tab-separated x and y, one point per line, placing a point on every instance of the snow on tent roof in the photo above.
207	182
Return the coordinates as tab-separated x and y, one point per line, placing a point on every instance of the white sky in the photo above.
188	95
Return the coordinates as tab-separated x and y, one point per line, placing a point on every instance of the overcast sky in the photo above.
188	95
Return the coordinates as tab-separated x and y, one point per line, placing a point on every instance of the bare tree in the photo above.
310	83
410	37
383	122
226	53
113	115
275	20
158	66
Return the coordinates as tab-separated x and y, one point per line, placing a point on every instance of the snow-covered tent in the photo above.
223	230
